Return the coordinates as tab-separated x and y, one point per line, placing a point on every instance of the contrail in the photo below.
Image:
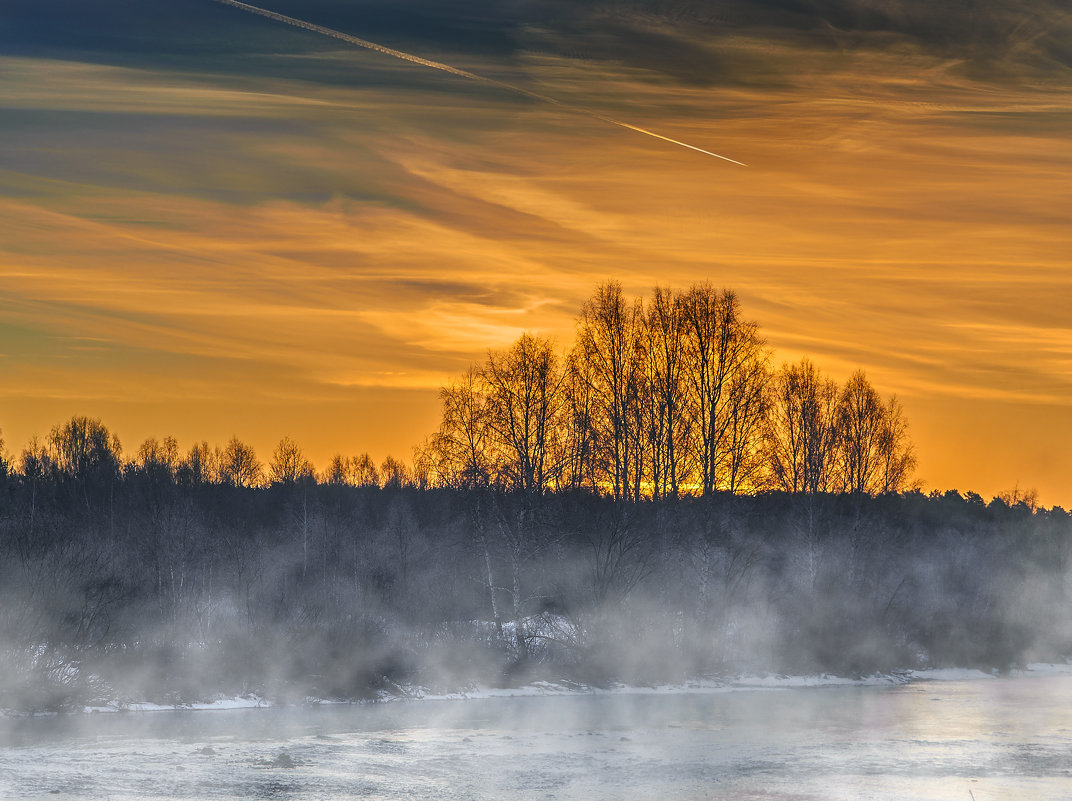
472	76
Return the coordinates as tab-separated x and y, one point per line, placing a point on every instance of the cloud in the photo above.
297	224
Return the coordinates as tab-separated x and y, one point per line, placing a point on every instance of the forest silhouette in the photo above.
673	396
659	502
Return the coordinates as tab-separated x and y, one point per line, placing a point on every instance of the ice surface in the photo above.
1000	738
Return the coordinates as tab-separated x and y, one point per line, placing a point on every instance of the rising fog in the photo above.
152	587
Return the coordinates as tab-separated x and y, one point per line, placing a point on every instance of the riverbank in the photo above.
700	686
765	681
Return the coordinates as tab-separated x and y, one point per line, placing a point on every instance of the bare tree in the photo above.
34	465
747	410
619	555
897	454
338	470
202	464
578	444
803	429
34	461
607	335
659	399
394	472
665	327
860	421
239	465
719	347
1016	496
81	446
288	464
153	453
524	396
461	450
84	451
363	472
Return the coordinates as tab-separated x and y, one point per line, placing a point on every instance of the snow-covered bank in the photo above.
251	701
743	683
724	685
698	686
238	702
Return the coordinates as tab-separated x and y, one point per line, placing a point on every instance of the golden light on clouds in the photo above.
202	253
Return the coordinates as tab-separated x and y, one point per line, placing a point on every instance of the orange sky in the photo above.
203	254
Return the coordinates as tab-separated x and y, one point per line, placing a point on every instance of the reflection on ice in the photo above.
994	739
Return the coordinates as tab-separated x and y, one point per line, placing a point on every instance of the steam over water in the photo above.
998	739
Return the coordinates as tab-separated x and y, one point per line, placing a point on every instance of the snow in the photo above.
1044	669
949	674
237	702
564	687
698	686
725	685
1032	670
783	740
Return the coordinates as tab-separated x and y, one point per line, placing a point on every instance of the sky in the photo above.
213	224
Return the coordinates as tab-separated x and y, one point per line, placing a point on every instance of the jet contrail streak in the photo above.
472	76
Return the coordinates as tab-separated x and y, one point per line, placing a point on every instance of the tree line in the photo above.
83	456
659	502
135	585
677	395
669	396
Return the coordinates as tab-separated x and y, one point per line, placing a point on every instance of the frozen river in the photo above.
997	739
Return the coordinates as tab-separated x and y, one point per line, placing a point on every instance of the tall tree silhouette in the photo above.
461	448
718	344
524	400
288	464
608	332
804	429
665	329
676	396
87	456
897	454
239	465
861	424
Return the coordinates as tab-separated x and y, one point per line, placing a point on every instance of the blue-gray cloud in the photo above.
995	38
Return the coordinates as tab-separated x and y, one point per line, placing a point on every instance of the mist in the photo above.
147	589
370	637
